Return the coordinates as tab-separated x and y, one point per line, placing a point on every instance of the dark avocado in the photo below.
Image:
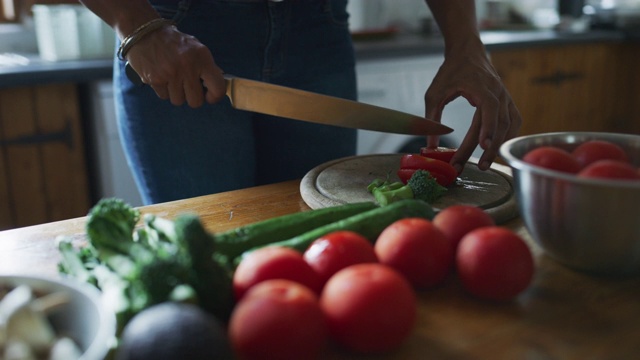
171	331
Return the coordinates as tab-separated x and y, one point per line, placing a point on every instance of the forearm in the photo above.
458	24
124	16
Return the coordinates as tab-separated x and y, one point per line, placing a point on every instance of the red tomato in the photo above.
369	308
610	169
552	158
594	150
278	319
457	220
418	250
494	263
273	262
442	171
439	153
335	251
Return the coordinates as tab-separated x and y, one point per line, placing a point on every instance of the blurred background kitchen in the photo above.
569	65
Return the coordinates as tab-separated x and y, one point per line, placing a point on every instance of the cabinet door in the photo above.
568	88
44	175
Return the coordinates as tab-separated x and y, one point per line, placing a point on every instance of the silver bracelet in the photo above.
139	33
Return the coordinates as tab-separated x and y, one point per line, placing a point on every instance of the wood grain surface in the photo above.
564	314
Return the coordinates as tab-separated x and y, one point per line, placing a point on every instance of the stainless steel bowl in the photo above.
591	225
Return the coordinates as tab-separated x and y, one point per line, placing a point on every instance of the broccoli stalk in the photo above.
421	186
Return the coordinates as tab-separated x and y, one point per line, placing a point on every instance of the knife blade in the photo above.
277	100
282	101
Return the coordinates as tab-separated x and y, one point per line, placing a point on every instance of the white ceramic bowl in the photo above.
588	224
84	318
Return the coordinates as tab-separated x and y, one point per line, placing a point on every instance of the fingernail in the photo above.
485	165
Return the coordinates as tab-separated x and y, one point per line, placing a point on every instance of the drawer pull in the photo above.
558	78
64	136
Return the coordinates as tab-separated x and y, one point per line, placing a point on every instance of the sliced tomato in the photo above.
405	174
440	153
443	172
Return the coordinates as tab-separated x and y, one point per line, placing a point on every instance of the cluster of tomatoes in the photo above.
362	296
597	159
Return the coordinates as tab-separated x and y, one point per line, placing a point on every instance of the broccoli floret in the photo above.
421	186
111	223
425	187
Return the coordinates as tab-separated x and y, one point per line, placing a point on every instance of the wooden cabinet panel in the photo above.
582	87
44	175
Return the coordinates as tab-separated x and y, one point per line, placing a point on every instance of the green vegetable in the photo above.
160	261
368	224
421	186
233	243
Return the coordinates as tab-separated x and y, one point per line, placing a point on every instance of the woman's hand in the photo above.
470	74
178	67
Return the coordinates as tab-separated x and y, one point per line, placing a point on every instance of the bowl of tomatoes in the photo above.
579	196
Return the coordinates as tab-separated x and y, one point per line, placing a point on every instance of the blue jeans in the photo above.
177	152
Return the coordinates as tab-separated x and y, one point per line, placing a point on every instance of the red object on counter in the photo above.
440	153
442	171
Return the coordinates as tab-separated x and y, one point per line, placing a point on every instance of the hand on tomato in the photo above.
443	172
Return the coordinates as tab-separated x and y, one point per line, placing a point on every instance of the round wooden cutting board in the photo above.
345	180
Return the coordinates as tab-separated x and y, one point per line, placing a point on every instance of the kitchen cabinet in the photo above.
43	172
579	87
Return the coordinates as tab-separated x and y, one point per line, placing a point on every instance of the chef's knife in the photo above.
270	99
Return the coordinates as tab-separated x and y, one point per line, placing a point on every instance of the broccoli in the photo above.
161	260
111	223
421	186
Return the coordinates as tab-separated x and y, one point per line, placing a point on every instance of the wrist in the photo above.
140	33
467	46
126	22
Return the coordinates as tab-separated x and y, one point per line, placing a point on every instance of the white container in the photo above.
68	32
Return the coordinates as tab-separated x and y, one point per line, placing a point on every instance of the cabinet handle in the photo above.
558	78
64	136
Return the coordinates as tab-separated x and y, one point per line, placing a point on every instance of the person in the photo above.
183	139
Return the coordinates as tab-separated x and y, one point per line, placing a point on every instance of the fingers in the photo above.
433	111
178	68
468	145
496	118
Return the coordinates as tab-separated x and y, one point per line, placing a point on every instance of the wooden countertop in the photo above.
563	315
